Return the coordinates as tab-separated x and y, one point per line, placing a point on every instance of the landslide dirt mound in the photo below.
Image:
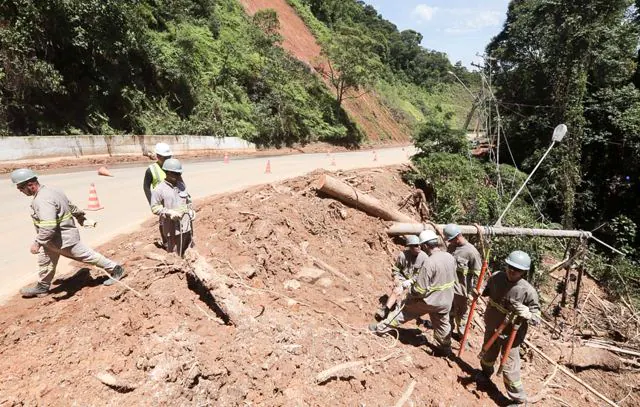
373	118
167	343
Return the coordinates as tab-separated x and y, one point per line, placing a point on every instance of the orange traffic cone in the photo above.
267	170
94	203
226	158
104	172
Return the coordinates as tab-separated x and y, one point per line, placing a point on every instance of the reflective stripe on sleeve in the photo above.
51	224
497	306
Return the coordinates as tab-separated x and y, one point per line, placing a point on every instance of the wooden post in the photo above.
578	284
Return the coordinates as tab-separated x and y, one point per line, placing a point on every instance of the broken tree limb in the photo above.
571	375
324	266
407	393
114	382
347	194
403	228
226	301
337	371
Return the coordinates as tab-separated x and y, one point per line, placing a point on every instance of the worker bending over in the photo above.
405	268
431	293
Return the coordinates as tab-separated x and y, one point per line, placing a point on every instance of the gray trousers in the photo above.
459	313
415	308
179	243
49	255
511	369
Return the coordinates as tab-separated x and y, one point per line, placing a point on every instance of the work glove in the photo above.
522	311
407	283
80	218
173	214
192	214
398	289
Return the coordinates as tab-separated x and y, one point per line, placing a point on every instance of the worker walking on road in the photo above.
172	203
431	293
469	264
53	217
407	265
509	295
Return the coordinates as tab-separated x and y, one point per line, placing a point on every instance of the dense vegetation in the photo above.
416	83
160	67
573	62
197	67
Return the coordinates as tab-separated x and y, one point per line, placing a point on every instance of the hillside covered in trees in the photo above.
572	62
205	67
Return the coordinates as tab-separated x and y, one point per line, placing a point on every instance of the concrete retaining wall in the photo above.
21	148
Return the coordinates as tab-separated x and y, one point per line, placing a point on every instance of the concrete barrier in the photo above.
22	148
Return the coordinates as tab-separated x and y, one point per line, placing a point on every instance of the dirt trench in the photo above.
167	343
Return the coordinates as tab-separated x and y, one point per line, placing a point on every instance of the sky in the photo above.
460	28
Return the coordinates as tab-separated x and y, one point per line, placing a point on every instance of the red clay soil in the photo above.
169	347
367	111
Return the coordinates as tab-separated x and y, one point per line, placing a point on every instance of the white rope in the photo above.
607	246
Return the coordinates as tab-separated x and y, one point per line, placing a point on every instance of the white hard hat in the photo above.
22	175
163	149
172	165
451	231
519	260
427	235
411	240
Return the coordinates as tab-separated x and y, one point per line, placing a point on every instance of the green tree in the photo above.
351	63
545	60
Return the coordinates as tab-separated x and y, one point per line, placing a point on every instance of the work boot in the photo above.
381	313
482	378
379	328
116	275
38	290
442	352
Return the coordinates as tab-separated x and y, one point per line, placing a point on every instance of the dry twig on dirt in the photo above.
407	393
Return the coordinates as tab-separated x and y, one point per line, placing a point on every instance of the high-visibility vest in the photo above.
157	175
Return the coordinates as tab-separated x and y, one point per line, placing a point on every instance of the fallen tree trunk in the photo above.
226	301
359	200
400	228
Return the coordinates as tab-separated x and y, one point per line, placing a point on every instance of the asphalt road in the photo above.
125	207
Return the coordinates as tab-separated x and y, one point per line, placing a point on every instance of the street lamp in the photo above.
558	134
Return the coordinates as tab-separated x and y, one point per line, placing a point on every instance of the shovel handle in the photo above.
472	309
507	349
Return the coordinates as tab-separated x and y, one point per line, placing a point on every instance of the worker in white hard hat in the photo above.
469	264
406	266
54	218
153	176
172	203
510	296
